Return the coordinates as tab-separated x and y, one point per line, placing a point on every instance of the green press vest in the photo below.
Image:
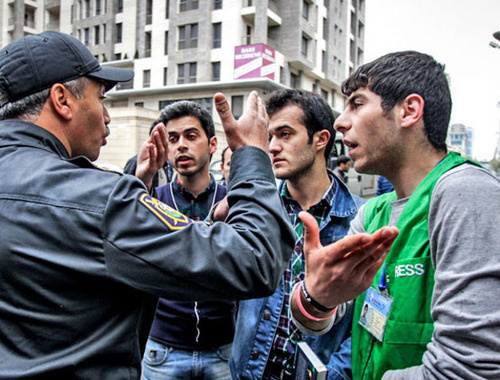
409	279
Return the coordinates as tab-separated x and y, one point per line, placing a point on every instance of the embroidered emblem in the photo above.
172	218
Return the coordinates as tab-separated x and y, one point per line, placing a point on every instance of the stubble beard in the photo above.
304	166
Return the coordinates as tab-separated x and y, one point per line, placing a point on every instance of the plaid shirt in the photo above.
287	333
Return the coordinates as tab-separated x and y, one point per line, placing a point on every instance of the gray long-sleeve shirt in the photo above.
81	249
464	218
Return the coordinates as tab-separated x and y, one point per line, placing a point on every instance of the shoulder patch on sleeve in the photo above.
172	218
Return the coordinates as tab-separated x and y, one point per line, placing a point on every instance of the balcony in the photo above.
249	9
51	4
53	25
125	85
29	24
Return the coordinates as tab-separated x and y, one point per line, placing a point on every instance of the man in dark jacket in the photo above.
80	248
189	338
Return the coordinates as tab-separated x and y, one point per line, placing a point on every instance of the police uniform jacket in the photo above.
81	248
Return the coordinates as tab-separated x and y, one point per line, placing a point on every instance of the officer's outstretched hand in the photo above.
250	129
152	155
341	271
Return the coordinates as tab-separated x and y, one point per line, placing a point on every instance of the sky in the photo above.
457	33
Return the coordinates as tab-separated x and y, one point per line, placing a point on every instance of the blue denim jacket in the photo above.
258	318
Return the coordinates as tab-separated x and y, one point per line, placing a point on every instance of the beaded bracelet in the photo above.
309	316
312	301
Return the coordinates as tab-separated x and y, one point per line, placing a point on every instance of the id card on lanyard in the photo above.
376	308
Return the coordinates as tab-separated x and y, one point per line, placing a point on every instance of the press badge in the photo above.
375	312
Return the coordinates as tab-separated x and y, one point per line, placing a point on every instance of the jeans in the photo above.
162	362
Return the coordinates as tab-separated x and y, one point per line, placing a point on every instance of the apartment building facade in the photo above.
460	139
190	49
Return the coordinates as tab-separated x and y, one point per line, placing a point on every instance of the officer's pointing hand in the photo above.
250	129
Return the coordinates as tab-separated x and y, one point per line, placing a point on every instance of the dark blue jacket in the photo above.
200	325
81	248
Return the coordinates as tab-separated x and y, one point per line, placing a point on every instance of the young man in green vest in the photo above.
431	311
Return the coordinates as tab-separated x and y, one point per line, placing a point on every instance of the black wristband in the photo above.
312	301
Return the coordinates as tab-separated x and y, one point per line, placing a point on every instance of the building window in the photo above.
104	37
204	102
216	71
217	4
217	27
149	12
360	56
305	9
146	78
192	72
86	36
294	80
324	94
118	56
186	73
187	5
167	8
353	23
119	32
147	45
248	36
139	104
72	13
97	29
79	10
361	30
165	75
97	7
188	36
120	6
325	28
237	105
352	52
165	47
323	61
87	8
304	46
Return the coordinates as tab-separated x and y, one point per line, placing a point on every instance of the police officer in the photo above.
81	248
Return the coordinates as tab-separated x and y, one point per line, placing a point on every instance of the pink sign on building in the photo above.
254	61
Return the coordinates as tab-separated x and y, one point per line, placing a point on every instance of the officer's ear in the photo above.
62	101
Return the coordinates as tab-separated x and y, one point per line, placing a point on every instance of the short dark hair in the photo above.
343	159
317	114
188	108
223	155
394	76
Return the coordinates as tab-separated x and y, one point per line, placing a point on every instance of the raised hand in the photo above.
250	129
152	155
341	271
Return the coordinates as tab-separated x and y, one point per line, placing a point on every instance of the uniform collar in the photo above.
22	133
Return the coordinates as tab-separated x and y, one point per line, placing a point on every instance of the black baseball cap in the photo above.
36	62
